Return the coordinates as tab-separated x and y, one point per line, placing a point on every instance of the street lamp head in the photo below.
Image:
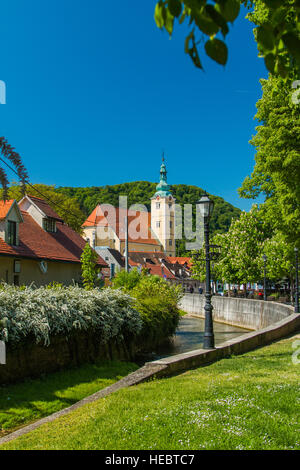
206	206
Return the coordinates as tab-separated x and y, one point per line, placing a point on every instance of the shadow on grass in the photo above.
30	400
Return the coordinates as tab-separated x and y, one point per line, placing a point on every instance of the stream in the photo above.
189	336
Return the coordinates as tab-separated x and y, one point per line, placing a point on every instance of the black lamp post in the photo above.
265	282
296	282
206	207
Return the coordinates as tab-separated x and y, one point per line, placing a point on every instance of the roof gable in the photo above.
10	208
41	206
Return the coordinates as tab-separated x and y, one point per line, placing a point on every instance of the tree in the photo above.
276	172
89	268
241	250
14	158
280	260
277	36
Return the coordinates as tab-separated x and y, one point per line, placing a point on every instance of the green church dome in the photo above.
163	189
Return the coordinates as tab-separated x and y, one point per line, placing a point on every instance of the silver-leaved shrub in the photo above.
41	313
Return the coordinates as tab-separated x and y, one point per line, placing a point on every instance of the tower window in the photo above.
12	233
158	205
171	225
157	224
170	242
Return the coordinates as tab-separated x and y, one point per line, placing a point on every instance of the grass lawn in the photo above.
250	401
29	401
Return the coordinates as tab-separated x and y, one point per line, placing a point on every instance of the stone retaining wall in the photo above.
244	343
249	314
32	360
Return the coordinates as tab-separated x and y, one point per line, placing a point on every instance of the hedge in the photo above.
41	313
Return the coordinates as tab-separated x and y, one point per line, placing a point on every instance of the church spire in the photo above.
163	189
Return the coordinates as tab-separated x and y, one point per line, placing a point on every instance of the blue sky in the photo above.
95	91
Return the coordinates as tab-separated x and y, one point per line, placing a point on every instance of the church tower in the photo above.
163	213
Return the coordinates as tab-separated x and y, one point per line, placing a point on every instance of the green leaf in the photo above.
273	4
175	7
230	9
187	42
265	38
279	16
158	14
217	18
292	42
169	22
217	50
270	62
206	24
192	51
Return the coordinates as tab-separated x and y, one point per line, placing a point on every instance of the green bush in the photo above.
157	302
40	313
126	281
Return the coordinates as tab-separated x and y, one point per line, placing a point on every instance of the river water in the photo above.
189	336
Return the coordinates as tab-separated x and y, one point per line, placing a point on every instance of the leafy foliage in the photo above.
39	314
242	247
276	173
13	157
126	281
280	258
89	269
157	301
241	250
277	32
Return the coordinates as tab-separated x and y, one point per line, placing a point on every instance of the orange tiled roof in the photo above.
154	269
160	271
36	243
115	220
5	207
180	260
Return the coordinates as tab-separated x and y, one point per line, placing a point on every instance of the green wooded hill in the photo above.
140	192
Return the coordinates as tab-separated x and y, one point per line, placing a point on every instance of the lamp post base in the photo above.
209	342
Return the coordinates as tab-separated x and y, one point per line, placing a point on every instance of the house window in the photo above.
17	266
49	225
12	233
